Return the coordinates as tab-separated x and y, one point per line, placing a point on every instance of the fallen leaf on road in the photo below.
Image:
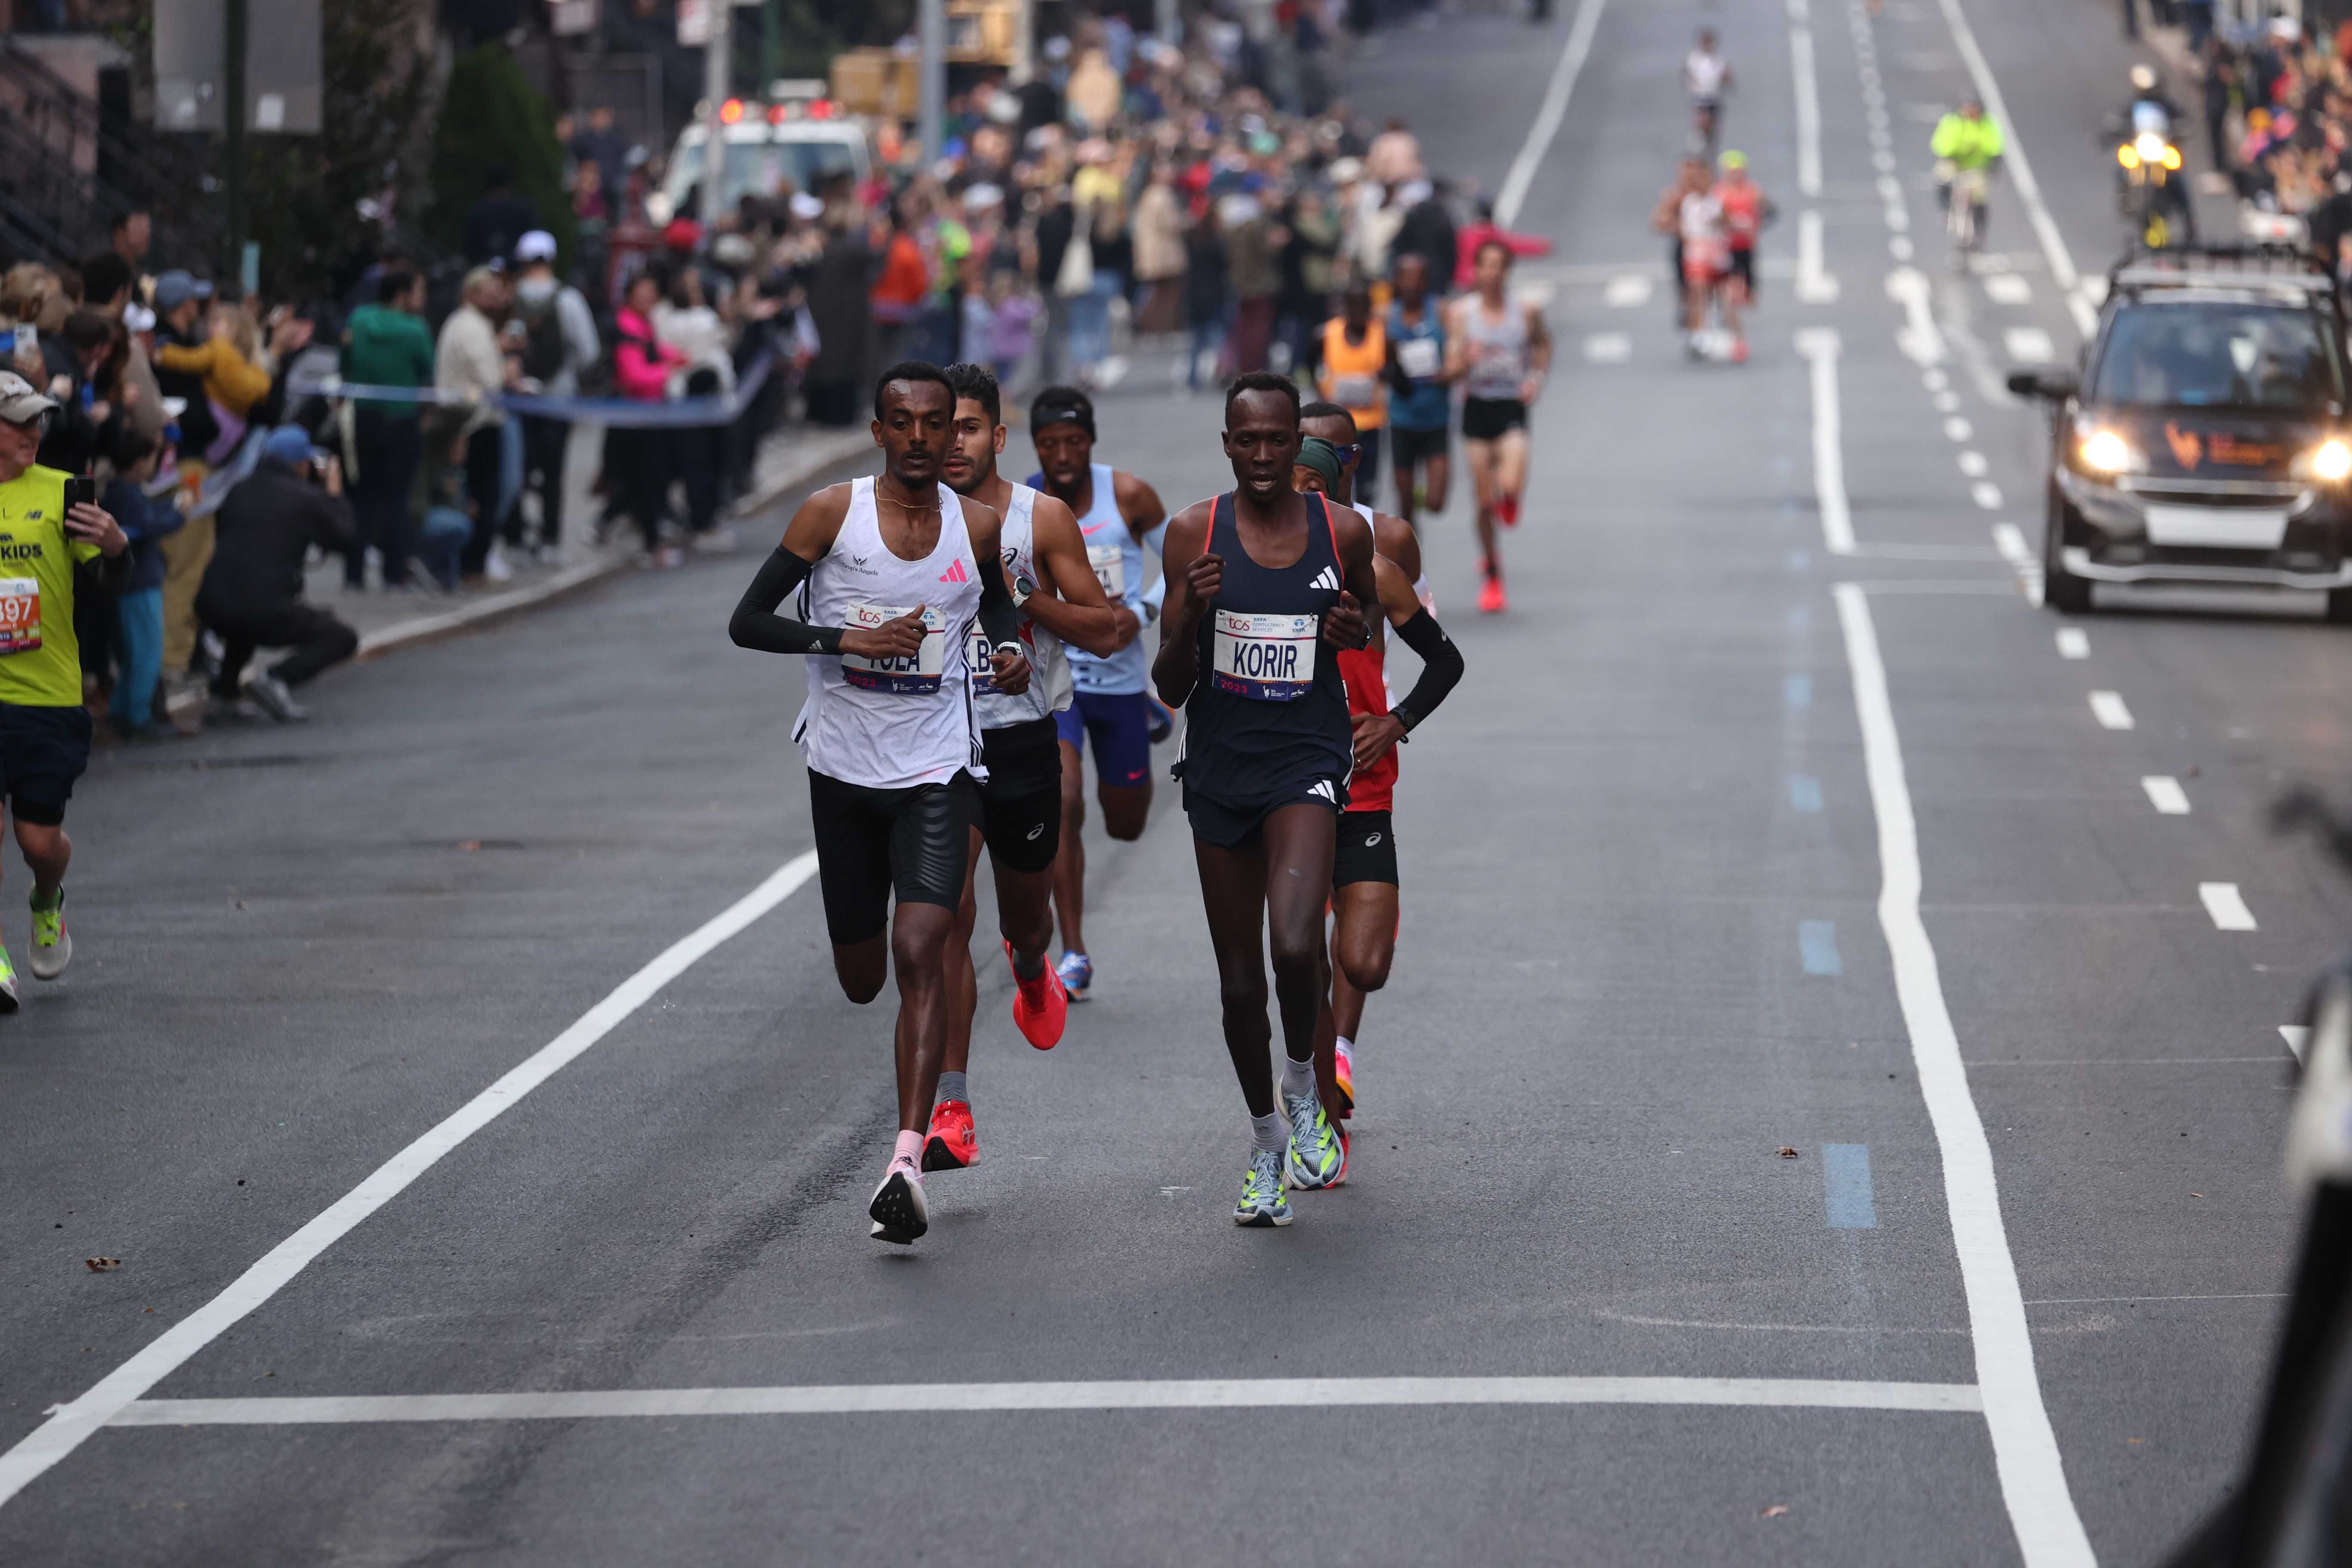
1786	1152
101	1265
470	844
1776	1511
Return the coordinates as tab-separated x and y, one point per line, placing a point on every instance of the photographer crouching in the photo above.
55	541
252	593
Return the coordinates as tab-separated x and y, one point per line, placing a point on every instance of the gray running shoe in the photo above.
273	697
1264	1200
1317	1158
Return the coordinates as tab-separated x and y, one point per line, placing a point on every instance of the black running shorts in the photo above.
872	843
42	751
1412	449
1492	419
1021	804
1228	823
1365	851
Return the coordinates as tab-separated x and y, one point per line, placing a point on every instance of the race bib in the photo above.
917	672
1110	563
1355	391
1268	658
20	614
1417	357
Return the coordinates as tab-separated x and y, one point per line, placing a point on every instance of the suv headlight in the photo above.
2102	451
2330	462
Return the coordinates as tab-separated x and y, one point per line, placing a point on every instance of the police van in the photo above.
793	143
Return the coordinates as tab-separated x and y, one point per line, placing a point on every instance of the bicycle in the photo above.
1965	192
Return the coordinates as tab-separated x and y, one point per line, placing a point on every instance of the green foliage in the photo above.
816	30
303	192
492	117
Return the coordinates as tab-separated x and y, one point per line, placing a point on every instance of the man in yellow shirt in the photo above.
44	546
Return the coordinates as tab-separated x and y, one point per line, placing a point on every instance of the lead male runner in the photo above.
1258	579
1020	820
891	573
1121	517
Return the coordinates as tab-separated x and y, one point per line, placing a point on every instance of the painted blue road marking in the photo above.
1845	1184
1817	940
1797	691
1804	793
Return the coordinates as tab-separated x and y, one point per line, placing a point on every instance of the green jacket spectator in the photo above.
383	346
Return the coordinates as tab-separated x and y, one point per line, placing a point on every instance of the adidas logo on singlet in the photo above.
1327	578
955	573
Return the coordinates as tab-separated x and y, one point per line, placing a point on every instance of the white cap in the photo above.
806	208
536	246
138	318
982	196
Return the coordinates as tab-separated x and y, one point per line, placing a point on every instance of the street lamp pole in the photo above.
931	30
232	127
716	74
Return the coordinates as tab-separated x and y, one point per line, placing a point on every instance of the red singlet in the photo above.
1368	693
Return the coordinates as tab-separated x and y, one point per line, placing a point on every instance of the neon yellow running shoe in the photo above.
7	984
52	944
1263	1200
1316	1159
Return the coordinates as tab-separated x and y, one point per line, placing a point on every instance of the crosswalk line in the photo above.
2028	346
1608	348
1629	290
2007	289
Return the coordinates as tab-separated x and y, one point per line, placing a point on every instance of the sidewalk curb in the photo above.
418	630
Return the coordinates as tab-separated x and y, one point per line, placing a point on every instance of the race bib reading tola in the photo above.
916	672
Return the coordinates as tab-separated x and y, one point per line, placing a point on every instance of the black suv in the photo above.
2206	439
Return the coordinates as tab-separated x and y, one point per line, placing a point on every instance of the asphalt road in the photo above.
1645	951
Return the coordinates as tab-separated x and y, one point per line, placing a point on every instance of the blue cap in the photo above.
287	446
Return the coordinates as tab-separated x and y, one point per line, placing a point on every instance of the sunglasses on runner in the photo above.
1350	454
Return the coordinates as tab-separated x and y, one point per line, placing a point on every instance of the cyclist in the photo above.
1966	144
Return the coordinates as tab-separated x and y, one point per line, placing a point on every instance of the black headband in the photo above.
1064	413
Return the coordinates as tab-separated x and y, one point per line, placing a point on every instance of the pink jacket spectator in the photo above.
641	364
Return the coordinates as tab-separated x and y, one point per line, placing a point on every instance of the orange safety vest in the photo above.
1351	375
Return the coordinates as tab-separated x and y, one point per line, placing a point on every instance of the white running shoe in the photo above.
898	1209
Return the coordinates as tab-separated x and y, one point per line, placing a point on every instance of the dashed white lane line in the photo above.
2165	794
2110	711
1608	348
72	1425
2010	544
1554	108
2073	642
2297	1037
1628	290
1958	429
1985	494
1820	346
1974	464
2007	289
1948	402
2025	1448
1815	286
1206	1393
2086	316
1809	107
2028	346
2227	907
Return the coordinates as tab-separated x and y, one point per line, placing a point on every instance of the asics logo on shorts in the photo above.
1372	840
1326	579
1036	831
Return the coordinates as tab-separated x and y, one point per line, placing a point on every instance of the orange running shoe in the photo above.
1343	1071
1492	601
1040	1007
1507	508
952	1143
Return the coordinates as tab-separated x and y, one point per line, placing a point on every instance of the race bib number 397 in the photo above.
1268	658
916	672
20	614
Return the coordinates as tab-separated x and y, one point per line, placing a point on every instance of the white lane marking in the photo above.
73	1423
1985	494
1899	246
2025	1449
1919	337
1820	345
2165	794
1890	189
2297	1037
1815	286
1629	290
1608	348
2008	540
2109	708
2007	289
1809	111
1935	381
2073	642
1205	1394
1947	401
1958	429
2028	346
1554	108
1974	464
2226	905
2037	213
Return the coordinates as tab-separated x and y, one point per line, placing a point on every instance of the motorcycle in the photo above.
2150	190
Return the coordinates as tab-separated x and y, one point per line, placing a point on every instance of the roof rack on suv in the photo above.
2250	264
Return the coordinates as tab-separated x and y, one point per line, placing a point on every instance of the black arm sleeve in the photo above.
755	623
111	572
998	616
1442	669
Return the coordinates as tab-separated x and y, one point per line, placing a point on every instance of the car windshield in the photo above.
763	168
2217	356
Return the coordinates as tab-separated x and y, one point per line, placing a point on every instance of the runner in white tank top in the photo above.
891	573
1501	350
1020	820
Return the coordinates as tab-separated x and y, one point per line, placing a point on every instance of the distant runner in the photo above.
1020	820
1421	406
1259	579
891	574
1501	350
1121	518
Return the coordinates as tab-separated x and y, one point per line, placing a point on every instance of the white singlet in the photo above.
896	722
1703	75
1049	672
